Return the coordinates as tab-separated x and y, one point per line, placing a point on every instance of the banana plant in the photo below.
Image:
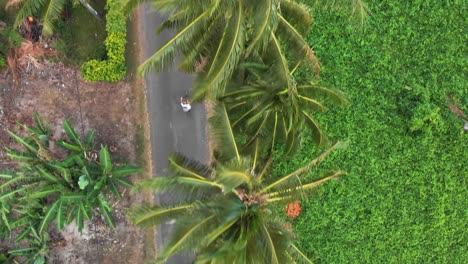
66	190
37	249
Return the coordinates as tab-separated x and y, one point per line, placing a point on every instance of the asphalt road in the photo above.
172	130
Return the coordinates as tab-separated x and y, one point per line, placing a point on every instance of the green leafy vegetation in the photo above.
78	40
404	199
113	68
52	187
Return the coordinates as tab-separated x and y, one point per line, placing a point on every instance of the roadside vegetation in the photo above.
54	186
404	198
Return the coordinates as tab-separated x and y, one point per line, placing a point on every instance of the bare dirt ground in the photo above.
117	112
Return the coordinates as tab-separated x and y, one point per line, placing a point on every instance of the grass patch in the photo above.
404	200
131	48
82	36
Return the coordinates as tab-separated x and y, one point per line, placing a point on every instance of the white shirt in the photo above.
186	107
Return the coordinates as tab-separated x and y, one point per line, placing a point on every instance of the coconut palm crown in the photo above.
222	212
215	35
263	106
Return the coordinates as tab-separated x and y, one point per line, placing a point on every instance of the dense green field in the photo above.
405	197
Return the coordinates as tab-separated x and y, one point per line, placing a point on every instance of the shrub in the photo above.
113	69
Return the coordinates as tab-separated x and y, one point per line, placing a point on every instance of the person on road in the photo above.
185	104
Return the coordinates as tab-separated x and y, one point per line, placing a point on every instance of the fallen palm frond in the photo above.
12	63
27	54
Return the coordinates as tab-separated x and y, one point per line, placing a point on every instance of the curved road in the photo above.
172	130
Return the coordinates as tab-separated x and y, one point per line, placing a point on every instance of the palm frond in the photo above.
28	8
222	133
165	55
179	243
299	253
181	165
298	15
43	191
228	222
225	60
61	215
297	44
52	12
312	103
278	63
231	179
68	146
271	247
195	53
169	184
331	94
89	138
318	136
264	19
42	127
307	168
149	216
47	175
290	193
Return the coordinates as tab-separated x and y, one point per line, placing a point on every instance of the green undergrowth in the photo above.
404	198
82	36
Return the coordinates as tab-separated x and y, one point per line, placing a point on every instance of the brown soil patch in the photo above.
115	111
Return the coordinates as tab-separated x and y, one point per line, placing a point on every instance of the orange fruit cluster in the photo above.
293	209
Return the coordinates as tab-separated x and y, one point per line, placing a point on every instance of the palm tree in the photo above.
48	10
265	104
222	33
214	36
222	212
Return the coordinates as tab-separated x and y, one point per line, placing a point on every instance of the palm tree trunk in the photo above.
90	9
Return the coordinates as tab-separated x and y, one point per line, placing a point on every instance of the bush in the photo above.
103	71
113	69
